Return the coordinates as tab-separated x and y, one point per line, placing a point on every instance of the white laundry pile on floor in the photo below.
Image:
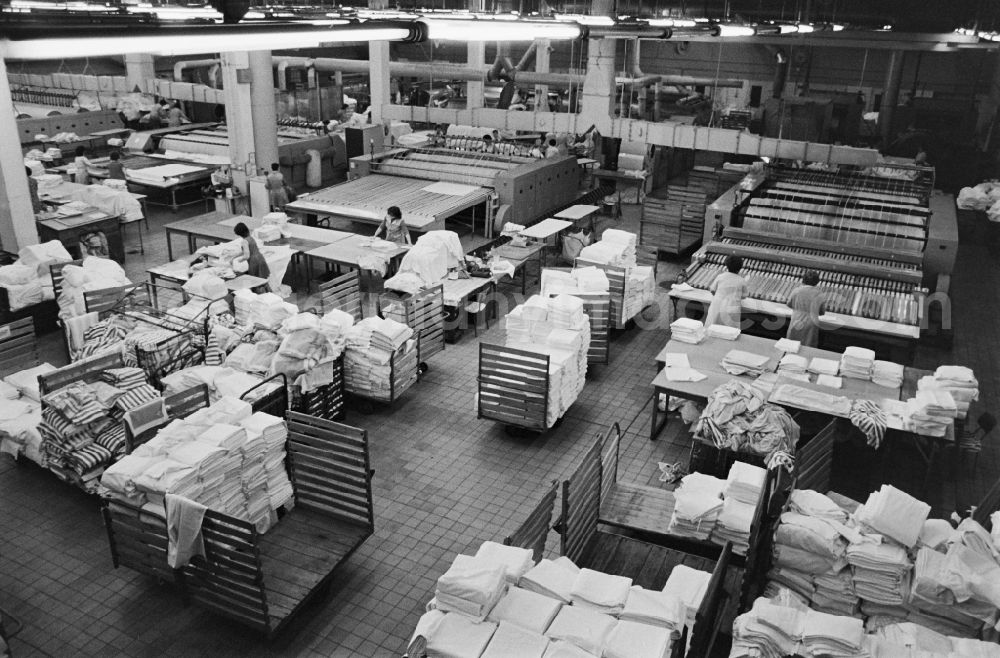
687	330
559	328
959	381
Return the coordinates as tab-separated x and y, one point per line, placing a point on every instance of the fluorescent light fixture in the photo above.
837	28
175	12
788	29
190	42
671	22
802	28
734	31
582	19
479	30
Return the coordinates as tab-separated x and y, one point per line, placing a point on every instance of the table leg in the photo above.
170	245
654	427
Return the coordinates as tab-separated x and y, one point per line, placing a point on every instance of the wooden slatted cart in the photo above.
513	386
423	312
264	580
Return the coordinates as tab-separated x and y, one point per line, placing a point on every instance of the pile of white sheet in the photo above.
881	572
559	328
28	280
857	363
687	330
923	642
498	604
888	374
221	456
960	382
794	366
739	362
640	291
616	248
371	345
267	310
723	332
895	514
744	487
931	411
580	280
822	366
697	505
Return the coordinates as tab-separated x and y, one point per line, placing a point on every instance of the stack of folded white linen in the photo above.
454	635
723	332
690	586
582	627
881	572
528	610
687	330
630	639
822	366
274	434
931	412
734	525
557	328
591	279
514	561
566	312
809	558
745	482
959	381
640	291
927	643
600	592
471	586
767	630
857	363
661	609
697	505
794	366
888	374
739	362
268	310
832	635
895	514
552	578
388	335
513	640
813	503
626	239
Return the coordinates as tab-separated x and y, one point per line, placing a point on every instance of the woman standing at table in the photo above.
807	305
276	188
394	227
256	265
728	290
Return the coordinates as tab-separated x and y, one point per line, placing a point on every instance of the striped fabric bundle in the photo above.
113	439
124	378
88	458
870	419
136	397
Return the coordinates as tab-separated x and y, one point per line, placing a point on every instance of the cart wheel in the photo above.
422	368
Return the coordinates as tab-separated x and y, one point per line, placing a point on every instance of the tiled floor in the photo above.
444	482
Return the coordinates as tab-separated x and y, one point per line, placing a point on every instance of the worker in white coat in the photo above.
728	291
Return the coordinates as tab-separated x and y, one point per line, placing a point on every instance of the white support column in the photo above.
138	69
477	62
597	100
239	116
265	121
542	58
17	220
378	77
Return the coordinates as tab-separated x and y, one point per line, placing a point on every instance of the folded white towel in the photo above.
552	578
510	641
584	628
600	591
629	639
655	608
528	610
514	561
